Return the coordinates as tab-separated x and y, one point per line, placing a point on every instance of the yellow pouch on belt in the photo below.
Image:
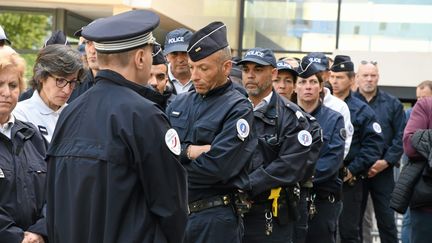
275	194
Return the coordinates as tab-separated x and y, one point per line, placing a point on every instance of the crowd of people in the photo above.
128	140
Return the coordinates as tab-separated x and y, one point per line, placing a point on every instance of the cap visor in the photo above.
174	48
312	69
255	60
78	33
292	71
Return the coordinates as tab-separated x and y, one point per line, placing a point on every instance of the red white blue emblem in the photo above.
304	138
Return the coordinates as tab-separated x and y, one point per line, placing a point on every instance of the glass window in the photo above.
291	25
386	25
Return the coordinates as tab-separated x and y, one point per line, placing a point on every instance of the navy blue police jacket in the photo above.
111	176
326	177
367	141
281	158
212	119
391	117
22	183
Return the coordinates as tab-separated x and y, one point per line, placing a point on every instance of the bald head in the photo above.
367	78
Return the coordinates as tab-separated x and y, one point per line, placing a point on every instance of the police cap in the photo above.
342	64
3	35
122	32
58	37
177	40
284	66
312	63
158	57
207	41
261	56
78	33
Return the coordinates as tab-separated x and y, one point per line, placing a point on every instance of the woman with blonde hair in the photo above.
22	165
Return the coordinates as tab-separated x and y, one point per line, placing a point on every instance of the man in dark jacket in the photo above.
364	151
113	171
214	123
93	66
280	161
391	117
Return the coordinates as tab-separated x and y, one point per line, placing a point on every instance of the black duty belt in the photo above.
207	203
327	196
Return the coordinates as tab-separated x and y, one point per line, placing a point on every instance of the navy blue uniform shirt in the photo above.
367	142
332	151
212	119
285	160
391	117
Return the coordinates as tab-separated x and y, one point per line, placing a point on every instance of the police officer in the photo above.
92	62
22	165
176	43
286	79
327	186
322	62
280	160
114	174
159	77
214	123
365	148
390	114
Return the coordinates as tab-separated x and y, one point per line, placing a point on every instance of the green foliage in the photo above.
30	60
25	30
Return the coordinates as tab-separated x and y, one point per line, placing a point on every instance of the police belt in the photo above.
264	197
211	202
322	195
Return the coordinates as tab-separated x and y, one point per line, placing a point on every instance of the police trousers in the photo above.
214	225
380	188
323	225
255	227
350	218
301	225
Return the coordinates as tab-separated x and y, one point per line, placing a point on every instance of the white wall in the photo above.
396	68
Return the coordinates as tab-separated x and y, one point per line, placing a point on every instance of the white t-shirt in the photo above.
340	106
34	110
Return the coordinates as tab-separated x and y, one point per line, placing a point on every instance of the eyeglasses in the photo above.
371	62
62	82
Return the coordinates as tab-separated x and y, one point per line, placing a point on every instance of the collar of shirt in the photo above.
263	102
43	108
6	128
179	87
327	95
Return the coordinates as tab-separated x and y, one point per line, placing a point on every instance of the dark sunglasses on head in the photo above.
371	62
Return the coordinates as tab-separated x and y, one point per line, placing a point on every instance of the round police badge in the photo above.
343	133
172	140
304	137
242	129
350	129
376	127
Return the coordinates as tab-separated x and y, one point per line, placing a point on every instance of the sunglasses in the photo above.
371	62
62	82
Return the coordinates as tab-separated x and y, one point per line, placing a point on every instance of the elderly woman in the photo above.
57	71
22	165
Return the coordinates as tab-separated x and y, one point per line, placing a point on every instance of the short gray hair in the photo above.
59	60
